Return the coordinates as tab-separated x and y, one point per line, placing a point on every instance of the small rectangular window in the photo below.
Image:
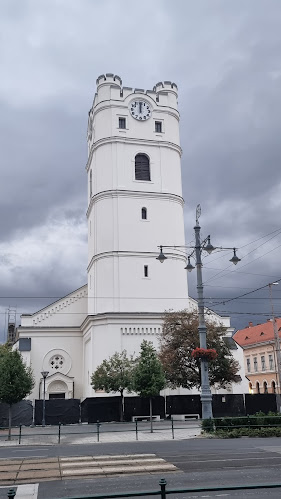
122	123
145	270
270	359
248	365
255	364
158	126
263	363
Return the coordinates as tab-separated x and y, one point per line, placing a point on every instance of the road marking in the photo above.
60	468
27	491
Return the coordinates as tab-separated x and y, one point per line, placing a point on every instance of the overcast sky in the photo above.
224	57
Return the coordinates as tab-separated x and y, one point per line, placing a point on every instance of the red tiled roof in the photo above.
256	334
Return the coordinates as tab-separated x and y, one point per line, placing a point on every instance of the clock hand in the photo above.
140	106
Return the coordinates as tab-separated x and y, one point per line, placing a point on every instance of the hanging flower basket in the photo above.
204	353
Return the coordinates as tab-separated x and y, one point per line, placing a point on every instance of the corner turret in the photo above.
166	93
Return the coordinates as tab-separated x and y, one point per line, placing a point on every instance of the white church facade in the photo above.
134	204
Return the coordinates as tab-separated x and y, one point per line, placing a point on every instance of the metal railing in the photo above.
97	429
163	491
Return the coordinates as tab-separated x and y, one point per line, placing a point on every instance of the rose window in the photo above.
56	362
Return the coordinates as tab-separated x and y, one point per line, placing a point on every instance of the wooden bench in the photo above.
146	418
184	417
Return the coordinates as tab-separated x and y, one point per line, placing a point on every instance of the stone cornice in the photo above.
101	106
257	345
129	140
133	254
136	194
38	331
120	318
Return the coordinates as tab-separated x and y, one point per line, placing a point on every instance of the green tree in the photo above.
16	379
149	376
114	375
180	336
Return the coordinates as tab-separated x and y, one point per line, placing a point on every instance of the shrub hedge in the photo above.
258	425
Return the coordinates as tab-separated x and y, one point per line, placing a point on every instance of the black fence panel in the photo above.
264	402
183	404
22	413
104	409
228	405
139	406
65	411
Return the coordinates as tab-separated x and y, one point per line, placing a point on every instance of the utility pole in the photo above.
276	339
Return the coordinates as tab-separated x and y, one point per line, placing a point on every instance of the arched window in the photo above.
144	214
91	183
250	388
142	168
273	387
265	390
257	387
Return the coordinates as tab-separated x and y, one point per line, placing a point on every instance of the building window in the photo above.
144	214
158	126
145	270
270	360
258	387
255	364
142	167
263	363
91	183
265	390
248	365
122	123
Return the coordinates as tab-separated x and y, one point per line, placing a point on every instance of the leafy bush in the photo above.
258	422
207	425
249	432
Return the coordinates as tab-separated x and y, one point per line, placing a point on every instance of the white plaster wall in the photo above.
113	166
118	284
70	311
114	334
45	340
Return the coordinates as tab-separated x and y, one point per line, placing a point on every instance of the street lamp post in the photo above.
206	396
276	339
45	375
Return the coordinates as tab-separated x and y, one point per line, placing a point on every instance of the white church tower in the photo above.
134	204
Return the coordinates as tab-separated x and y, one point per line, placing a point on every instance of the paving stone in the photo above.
38	474
124	456
160	467
41	460
131	462
10	461
123	469
8	476
76	458
10	467
79	463
83	471
39	466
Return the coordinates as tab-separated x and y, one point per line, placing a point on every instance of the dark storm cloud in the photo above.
224	56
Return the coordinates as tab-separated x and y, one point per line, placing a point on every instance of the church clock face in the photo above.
140	109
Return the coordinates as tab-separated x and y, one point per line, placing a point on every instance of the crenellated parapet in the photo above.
166	86
108	79
109	87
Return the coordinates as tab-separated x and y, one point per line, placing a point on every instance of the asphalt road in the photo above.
202	462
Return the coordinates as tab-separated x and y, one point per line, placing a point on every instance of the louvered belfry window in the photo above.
142	168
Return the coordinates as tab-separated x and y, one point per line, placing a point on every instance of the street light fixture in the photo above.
206	396
44	375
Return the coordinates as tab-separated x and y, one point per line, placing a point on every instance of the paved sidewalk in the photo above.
87	435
